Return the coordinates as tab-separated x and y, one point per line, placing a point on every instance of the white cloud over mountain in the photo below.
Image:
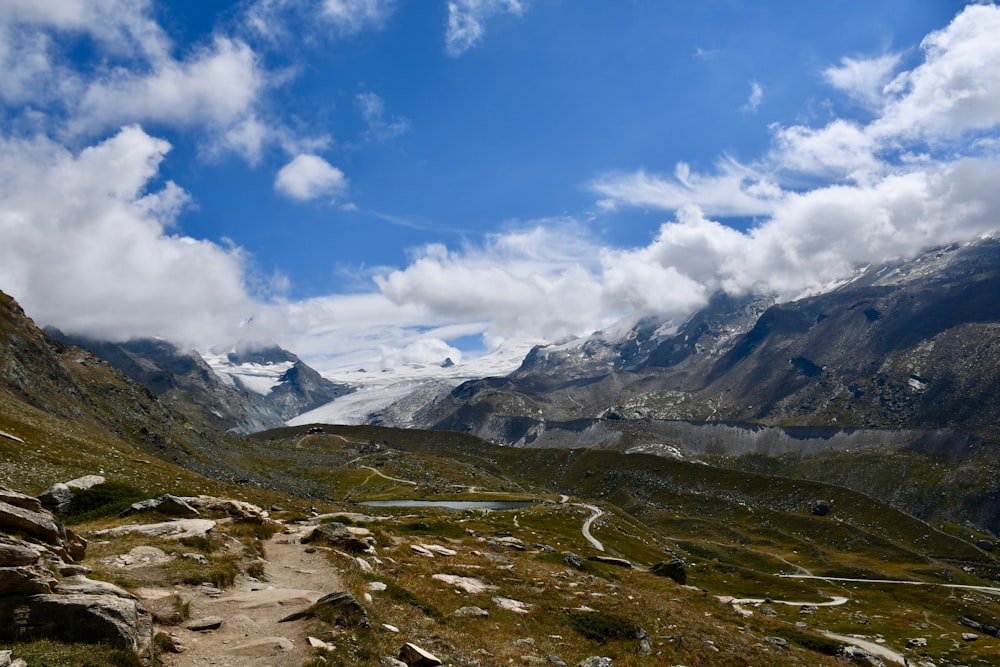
88	222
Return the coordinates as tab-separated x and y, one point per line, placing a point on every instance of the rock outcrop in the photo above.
36	604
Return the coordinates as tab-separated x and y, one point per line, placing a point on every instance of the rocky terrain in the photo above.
640	555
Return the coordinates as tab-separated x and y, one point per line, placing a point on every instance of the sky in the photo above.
374	182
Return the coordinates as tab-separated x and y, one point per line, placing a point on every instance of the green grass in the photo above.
46	653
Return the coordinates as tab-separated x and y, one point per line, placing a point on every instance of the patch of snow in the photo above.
376	390
258	378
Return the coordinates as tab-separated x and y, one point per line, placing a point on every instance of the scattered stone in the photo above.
985	545
767	611
470	612
969	636
467	584
170	643
390	628
203	624
200	558
421	551
414	656
984	628
595	661
440	550
336	534
319	643
515	606
165	504
673	569
556	660
611	560
780	642
573	560
389	661
340	608
377	586
645	642
917	642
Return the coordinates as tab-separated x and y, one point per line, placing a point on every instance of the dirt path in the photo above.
596	512
250	635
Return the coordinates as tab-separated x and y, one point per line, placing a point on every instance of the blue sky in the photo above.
376	181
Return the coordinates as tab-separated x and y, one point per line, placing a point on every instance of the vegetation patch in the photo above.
602	627
47	653
809	640
102	500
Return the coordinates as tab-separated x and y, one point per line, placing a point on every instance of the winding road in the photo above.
596	512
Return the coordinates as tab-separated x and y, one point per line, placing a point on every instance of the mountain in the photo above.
909	345
242	390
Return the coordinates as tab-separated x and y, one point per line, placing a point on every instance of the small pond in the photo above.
454	504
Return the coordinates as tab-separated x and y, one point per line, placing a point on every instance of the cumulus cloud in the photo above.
87	245
310	177
467	21
217	85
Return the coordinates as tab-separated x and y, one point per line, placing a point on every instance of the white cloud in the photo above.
352	16
756	97
733	190
217	86
87	247
957	87
467	21
309	177
379	126
864	79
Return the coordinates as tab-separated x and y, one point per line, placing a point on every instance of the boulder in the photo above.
414	656
672	569
39	525
165	504
595	661
337	535
59	496
985	545
820	508
87	619
573	560
340	608
470	612
226	507
203	624
14	552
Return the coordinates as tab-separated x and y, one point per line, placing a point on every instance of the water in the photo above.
453	504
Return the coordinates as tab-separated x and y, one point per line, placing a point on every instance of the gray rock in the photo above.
414	656
389	661
85	482
25	580
56	498
645	642
20	500
39	525
672	569
84	586
820	508
223	507
556	660
780	642
470	612
165	504
207	623
595	661
917	642
14	552
573	560
340	608
337	535
175	530
87	619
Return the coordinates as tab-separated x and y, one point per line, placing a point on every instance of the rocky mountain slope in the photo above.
241	390
910	345
638	559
